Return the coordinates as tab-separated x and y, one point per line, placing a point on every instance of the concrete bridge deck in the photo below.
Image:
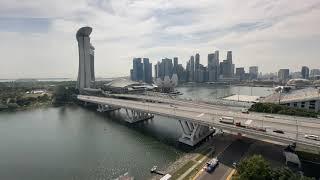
208	115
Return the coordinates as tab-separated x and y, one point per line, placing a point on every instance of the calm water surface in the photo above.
76	143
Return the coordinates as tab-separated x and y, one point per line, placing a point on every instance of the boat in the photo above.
125	176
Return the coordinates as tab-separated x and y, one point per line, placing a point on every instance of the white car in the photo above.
313	137
245	110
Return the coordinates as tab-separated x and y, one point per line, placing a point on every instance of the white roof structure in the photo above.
306	94
122	83
243	98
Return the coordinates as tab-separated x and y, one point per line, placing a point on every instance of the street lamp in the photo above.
297	130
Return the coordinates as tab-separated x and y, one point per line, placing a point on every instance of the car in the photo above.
234	165
211	165
269	116
245	110
313	137
278	131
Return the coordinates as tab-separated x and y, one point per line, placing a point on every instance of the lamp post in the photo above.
297	130
238	92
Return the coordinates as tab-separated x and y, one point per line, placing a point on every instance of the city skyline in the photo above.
272	35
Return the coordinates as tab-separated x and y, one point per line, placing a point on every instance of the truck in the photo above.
226	120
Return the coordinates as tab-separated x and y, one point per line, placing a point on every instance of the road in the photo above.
209	115
232	153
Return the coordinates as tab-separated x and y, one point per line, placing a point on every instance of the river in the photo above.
72	142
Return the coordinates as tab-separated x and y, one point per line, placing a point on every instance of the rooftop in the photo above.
297	95
122	83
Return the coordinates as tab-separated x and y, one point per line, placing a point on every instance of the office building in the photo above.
227	67
191	69
213	66
197	68
175	65
283	74
86	75
305	72
147	70
141	71
240	73
315	74
253	72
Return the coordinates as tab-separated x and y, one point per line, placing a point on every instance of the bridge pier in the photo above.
135	116
193	133
106	108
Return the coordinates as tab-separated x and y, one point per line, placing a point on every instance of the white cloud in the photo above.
258	31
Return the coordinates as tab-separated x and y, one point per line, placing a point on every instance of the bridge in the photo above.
198	119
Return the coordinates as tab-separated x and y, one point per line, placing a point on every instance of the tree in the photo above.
254	168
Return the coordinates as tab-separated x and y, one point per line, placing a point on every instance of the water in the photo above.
76	143
207	92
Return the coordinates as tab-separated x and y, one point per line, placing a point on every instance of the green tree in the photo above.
254	168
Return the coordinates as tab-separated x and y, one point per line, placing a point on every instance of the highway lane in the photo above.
220	108
304	124
192	113
258	121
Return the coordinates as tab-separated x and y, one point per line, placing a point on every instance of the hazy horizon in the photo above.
38	38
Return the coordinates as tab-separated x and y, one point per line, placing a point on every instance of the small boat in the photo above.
125	176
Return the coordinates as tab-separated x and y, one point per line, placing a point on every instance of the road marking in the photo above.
200	115
231	174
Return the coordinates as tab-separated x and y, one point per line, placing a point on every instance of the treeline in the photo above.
65	95
281	109
13	95
257	168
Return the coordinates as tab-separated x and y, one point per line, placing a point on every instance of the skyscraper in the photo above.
283	74
253	72
168	67
213	67
240	73
175	65
137	70
147	71
191	70
229	56
86	76
305	72
197	68
142	71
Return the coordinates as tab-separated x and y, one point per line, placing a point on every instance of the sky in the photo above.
38	37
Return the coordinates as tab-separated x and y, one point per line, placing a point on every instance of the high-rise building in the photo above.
305	72
175	64
137	70
86	76
314	73
283	74
168	67
240	73
191	69
182	73
147	70
197	68
229	56
226	67
253	72
213	66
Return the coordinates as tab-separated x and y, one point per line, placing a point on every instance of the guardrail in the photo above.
287	140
